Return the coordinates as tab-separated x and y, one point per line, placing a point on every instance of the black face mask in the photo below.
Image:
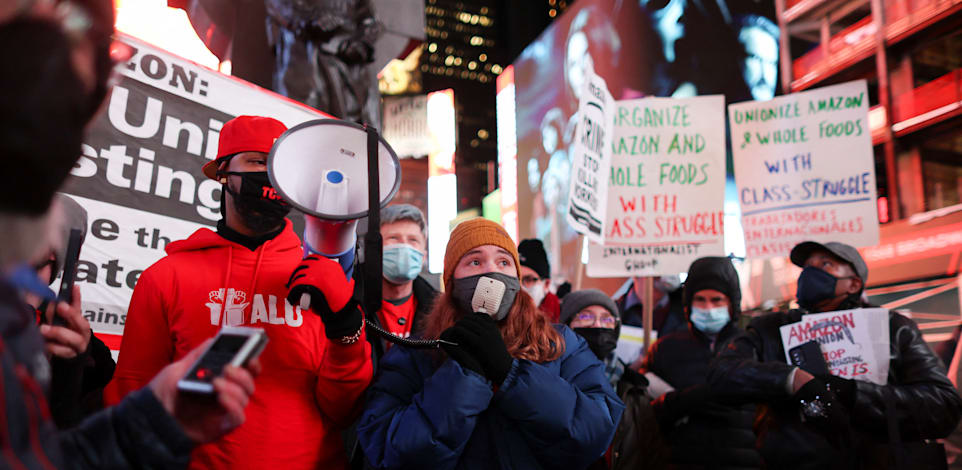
42	114
257	202
814	287
602	341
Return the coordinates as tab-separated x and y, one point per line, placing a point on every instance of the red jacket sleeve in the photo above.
345	373
146	346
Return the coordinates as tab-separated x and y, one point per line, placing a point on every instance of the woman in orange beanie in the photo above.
508	390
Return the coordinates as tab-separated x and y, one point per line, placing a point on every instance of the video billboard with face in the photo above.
677	48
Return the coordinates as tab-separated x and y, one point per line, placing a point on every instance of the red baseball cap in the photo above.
244	134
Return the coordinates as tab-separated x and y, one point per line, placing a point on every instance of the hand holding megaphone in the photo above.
336	172
330	297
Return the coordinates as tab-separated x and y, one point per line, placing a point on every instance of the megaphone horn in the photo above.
321	168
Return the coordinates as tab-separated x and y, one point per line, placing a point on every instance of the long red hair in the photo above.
526	331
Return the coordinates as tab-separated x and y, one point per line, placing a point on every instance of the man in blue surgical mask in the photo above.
823	421
691	416
407	297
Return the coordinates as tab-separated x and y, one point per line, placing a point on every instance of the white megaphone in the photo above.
321	168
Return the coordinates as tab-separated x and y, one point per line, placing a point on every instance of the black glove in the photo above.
332	296
843	388
822	409
677	404
477	335
459	353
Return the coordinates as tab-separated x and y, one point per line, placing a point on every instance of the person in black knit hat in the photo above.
536	277
702	431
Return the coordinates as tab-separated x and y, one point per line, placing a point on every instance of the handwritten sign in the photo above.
855	343
805	170
666	187
591	159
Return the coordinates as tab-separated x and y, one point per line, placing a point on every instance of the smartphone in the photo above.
232	346
809	358
71	257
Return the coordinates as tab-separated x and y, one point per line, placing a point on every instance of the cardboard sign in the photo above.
854	343
805	169
666	187
591	159
139	174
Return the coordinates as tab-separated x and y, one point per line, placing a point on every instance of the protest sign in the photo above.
139	174
854	343
666	187
591	159
805	169
631	343
406	125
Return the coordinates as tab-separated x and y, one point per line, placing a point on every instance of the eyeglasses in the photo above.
588	318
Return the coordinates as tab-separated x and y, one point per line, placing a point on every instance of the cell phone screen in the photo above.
220	354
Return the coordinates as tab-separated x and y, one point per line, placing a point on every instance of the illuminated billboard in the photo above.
676	48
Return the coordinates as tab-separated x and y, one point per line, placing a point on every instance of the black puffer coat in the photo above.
926	406
702	431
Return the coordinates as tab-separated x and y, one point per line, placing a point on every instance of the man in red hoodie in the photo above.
314	372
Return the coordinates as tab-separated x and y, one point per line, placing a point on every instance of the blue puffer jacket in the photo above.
559	414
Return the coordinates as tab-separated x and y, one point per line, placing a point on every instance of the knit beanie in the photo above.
575	301
471	234
532	254
713	272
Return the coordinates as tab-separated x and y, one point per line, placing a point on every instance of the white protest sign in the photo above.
139	174
855	343
406	125
805	169
666	187
631	343
591	159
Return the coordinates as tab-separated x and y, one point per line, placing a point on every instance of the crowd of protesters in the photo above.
527	381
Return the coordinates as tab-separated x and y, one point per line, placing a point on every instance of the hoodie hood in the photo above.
713	272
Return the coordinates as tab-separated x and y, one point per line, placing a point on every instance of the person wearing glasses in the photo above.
637	442
536	277
702	430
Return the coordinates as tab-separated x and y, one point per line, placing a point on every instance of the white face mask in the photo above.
537	292
710	320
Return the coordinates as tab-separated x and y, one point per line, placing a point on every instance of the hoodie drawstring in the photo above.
257	267
223	300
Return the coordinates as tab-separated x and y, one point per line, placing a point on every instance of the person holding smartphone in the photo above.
824	421
58	54
317	362
81	364
508	390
